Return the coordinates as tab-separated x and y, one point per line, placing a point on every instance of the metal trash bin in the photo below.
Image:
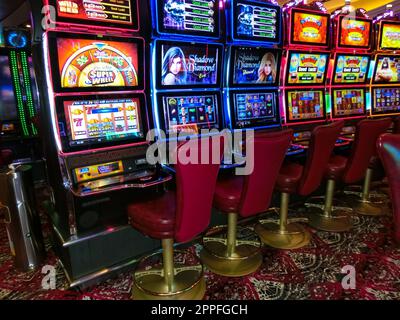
19	213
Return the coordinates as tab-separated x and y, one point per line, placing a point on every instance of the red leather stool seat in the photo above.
336	166
228	193
289	177
155	217
396	128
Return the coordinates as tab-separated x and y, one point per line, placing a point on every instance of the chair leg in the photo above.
285	235
327	219
155	282
225	254
366	202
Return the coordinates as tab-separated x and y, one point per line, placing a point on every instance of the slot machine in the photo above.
18	95
385	80
352	39
305	63
92	64
253	57
187	60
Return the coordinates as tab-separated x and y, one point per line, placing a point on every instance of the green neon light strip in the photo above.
17	86
28	86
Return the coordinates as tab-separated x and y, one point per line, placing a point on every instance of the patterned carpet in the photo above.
313	272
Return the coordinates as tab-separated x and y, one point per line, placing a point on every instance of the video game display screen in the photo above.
100	12
354	32
190	112
390	36
348	102
188	17
254	20
90	63
387	69
304	105
307	68
351	69
187	65
309	28
254	66
386	100
254	109
96	121
8	105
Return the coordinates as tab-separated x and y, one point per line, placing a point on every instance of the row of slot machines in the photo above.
110	71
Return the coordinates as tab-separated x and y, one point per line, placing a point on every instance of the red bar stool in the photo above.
246	196
388	146
6	157
303	180
179	216
351	170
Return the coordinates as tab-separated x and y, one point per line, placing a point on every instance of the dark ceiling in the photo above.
9	6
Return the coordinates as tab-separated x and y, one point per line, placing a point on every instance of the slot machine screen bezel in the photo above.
159	5
381	34
134	26
306	43
164	122
158	65
278	24
319	119
353	55
234	49
101	143
308	83
55	64
254	123
376	69
335	116
373	102
340	30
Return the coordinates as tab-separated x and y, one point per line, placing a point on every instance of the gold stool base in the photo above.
245	259
188	281
295	236
339	221
368	208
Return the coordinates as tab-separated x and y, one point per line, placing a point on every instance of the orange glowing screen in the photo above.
87	63
390	37
309	28
355	33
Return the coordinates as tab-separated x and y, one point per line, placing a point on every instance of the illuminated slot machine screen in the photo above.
254	109
8	107
354	32
306	68
254	66
256	21
309	28
108	13
389	36
184	64
188	17
351	69
386	100
190	112
387	69
348	102
87	63
305	105
94	121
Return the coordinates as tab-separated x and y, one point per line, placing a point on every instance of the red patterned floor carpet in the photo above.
313	272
